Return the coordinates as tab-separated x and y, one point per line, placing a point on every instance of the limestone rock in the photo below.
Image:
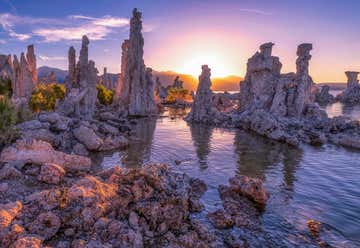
51	173
258	87
8	212
31	60
324	97
25	74
6	67
351	95
46	225
72	77
27	242
83	59
252	188
202	110
40	152
88	137
136	86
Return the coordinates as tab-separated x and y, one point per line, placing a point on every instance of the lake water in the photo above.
321	183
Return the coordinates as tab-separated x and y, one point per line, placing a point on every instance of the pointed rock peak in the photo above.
136	13
85	40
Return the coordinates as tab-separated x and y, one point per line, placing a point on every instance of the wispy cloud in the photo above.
50	58
2	41
106	21
69	28
256	11
8	21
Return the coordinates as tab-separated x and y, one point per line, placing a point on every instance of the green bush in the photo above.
105	96
8	117
44	97
5	87
176	94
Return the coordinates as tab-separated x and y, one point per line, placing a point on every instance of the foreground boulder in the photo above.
147	207
242	201
40	152
8	212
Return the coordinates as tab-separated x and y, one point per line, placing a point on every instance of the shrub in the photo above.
44	97
105	96
8	117
176	94
5	87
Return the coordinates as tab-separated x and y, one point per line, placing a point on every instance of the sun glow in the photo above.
216	63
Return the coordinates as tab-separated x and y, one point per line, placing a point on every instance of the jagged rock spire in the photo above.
201	110
72	65
302	62
25	74
31	60
136	86
84	58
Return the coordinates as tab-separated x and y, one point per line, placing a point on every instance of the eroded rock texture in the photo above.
351	95
323	96
136	85
202	110
285	95
72	76
25	74
81	84
146	207
6	67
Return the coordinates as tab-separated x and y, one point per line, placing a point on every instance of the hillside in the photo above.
229	83
44	71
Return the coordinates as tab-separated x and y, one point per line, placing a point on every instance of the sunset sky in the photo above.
182	35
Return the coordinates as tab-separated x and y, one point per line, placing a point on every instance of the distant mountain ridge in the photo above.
229	83
44	71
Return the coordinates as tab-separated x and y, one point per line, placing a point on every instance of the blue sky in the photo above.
181	35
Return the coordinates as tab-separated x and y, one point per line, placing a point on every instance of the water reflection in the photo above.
139	151
304	183
256	154
201	136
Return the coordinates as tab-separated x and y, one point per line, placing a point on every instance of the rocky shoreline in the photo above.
57	200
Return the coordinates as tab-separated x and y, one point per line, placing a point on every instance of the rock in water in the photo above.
263	72
351	95
323	96
136	86
201	110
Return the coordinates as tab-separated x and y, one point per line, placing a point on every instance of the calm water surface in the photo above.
304	183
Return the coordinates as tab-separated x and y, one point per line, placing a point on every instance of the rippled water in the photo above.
304	183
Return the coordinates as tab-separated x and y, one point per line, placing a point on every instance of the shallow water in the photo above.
304	183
